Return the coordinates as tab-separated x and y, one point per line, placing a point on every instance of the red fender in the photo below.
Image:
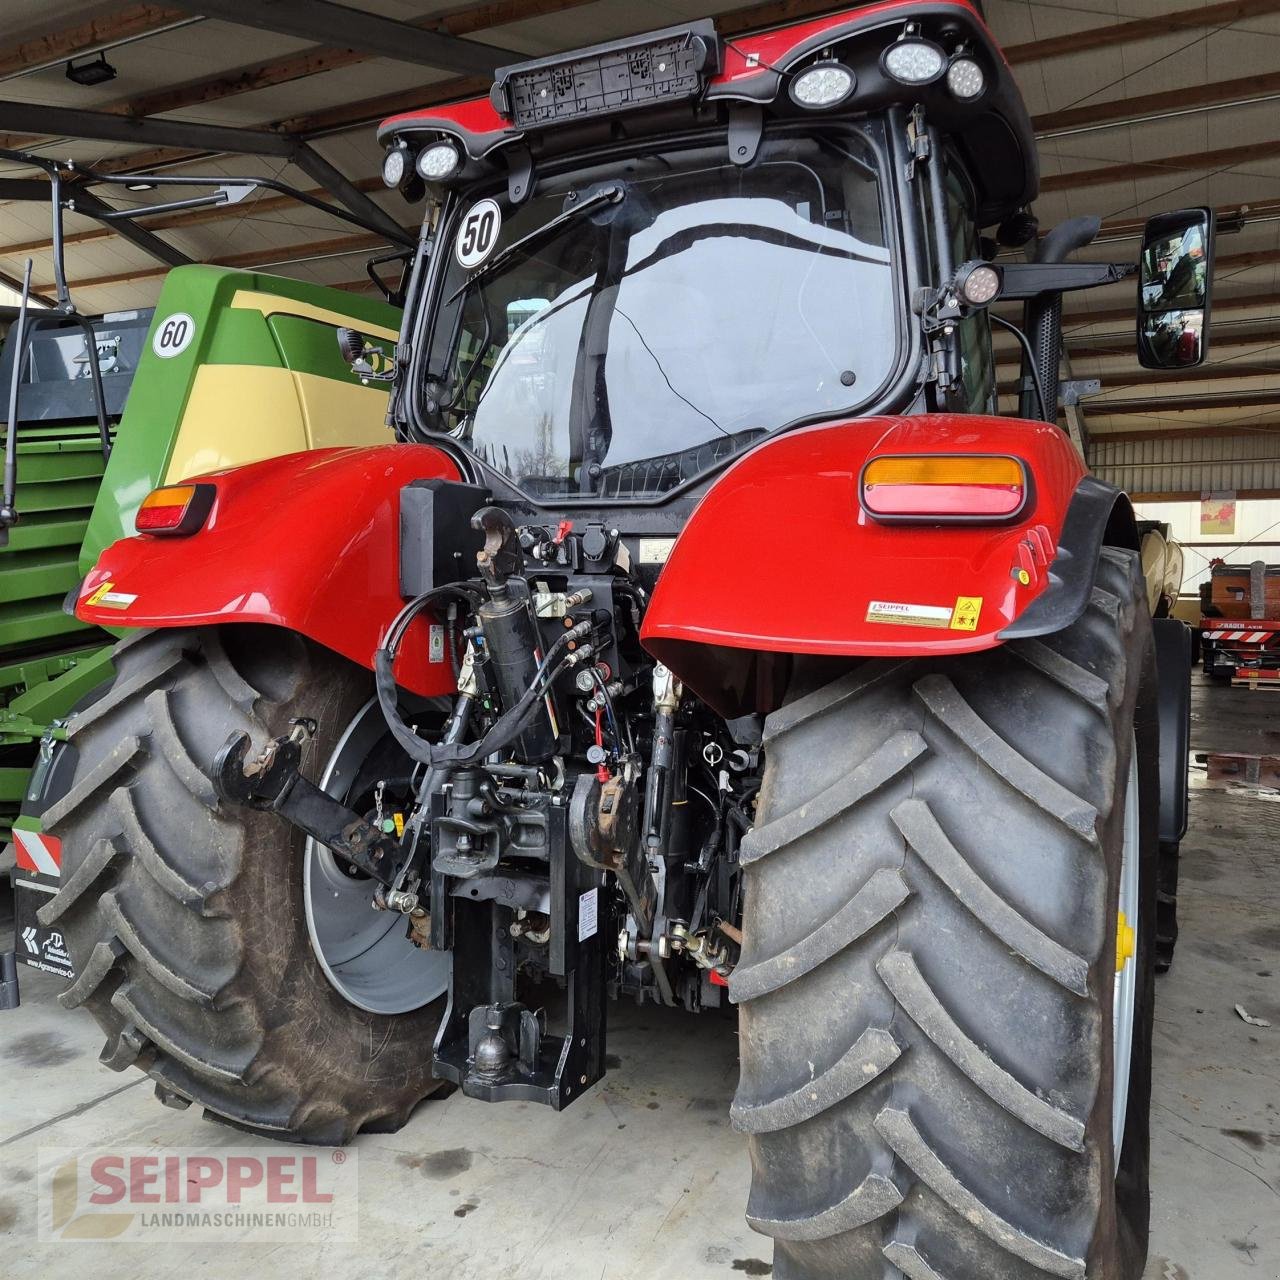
779	557
314	536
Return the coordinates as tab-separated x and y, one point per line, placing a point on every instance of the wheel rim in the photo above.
364	953
1124	1003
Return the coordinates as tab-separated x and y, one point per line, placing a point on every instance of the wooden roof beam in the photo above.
1222	158
371	110
1085	348
1245	213
185	219
1172	381
99	32
75	122
282	254
1211	15
376	35
1157	432
1242	302
1194	403
1157	106
463	21
152	160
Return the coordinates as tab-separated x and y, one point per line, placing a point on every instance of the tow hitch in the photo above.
271	781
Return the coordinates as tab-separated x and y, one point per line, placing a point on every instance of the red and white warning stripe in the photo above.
1244	637
39	853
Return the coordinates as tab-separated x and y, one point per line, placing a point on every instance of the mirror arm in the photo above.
1030	279
1050	276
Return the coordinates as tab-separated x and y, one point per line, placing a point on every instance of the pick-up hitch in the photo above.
271	781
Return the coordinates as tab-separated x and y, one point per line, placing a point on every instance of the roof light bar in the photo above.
666	65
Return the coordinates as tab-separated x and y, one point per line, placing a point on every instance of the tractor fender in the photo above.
307	541
779	559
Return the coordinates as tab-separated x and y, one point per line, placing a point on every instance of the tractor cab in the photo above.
650	255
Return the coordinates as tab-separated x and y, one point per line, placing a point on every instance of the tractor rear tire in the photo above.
185	917
926	984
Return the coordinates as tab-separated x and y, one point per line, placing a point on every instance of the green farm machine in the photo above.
229	367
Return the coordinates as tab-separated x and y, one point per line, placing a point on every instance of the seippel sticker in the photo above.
108	598
961	616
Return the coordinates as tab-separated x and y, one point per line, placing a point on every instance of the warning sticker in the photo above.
655	550
964	617
588	914
116	600
909	615
109	598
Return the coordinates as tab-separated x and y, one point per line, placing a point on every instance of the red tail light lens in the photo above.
175	509
949	488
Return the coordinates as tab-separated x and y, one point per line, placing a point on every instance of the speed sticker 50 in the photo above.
478	233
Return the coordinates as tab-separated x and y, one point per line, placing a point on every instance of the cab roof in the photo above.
993	132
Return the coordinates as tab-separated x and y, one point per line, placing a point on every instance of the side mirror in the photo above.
1175	283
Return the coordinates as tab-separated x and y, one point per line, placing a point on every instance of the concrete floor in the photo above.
644	1179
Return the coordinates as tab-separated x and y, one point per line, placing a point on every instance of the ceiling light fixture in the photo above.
94	72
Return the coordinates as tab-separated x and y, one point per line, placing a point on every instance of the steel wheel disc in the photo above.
364	953
1123	1010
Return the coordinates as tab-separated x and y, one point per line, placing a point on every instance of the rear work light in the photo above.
175	509
945	488
825	84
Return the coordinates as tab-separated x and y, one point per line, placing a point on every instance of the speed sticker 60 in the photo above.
173	335
478	233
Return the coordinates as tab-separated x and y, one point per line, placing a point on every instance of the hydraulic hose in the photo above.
451	755
505	730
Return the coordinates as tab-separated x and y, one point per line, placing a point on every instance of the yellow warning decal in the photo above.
107	597
964	617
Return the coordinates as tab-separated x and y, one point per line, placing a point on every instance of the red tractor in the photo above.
706	637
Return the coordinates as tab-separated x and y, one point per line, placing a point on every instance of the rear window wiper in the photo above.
609	194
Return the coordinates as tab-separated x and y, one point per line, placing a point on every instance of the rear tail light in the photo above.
175	509
947	488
